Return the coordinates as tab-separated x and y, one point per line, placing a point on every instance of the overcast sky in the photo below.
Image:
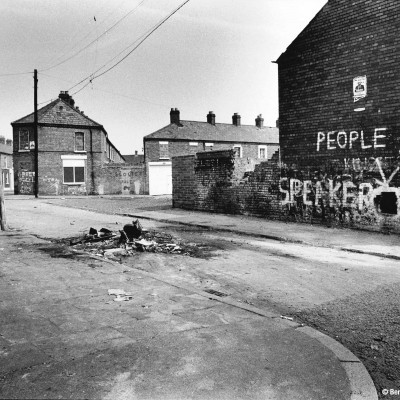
211	55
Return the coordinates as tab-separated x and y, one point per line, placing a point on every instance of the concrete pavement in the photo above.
63	336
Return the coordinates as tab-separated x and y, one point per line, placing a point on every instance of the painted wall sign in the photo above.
346	140
359	87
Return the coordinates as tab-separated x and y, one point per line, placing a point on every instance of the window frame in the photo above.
23	131
83	142
74	162
162	155
263	147
238	146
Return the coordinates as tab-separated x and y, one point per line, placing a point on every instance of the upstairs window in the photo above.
237	148
79	141
262	151
164	154
208	146
23	139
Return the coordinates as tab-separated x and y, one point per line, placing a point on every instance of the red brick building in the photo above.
339	104
190	137
72	151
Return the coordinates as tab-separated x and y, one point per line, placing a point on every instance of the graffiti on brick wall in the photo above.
50	185
342	140
126	180
26	180
345	191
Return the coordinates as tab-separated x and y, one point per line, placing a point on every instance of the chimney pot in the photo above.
260	121
66	97
211	118
236	119
175	116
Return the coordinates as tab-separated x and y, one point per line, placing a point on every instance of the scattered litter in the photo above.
115	252
133	230
132	239
120	295
215	292
288	318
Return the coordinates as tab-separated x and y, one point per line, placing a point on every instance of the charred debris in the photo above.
133	238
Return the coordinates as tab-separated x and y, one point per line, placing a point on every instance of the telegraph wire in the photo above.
95	40
87	35
17	73
92	76
104	91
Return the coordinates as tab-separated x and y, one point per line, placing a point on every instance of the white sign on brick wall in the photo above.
359	87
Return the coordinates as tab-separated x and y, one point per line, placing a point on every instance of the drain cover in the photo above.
216	293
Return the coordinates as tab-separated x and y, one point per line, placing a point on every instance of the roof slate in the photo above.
52	114
196	131
135	159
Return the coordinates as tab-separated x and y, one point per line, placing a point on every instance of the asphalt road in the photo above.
352	297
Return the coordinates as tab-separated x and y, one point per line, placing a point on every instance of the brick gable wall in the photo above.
341	157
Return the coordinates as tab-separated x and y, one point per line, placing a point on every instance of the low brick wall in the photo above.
120	179
218	182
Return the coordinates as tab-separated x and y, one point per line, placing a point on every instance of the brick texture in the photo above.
340	157
220	182
55	141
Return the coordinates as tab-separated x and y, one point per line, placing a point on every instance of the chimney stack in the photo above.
175	116
236	119
260	121
67	98
211	118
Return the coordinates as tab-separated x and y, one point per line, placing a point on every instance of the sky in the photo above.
210	55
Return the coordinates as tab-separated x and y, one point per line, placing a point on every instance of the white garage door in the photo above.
160	178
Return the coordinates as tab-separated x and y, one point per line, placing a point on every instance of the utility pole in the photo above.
35	133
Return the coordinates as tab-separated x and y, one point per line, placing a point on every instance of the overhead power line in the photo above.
95	40
17	73
93	75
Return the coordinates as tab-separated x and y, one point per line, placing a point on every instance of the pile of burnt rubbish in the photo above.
128	241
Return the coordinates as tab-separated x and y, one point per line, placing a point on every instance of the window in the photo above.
79	141
74	169
193	143
6	178
237	148
164	155
23	139
208	146
262	152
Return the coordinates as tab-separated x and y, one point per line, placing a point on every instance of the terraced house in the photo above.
6	164
73	151
183	137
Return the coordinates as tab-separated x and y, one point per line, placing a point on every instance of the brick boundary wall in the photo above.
220	182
